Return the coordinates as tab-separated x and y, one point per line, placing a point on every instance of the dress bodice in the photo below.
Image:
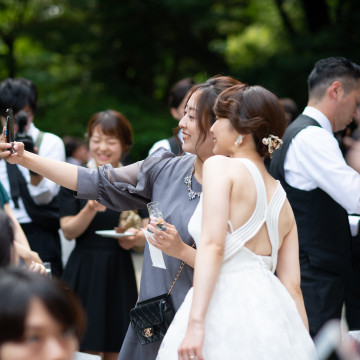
263	213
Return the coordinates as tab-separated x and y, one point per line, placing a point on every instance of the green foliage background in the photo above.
89	55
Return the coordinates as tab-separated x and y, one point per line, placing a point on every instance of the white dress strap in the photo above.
238	238
272	222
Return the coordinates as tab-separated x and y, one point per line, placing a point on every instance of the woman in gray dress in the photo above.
174	181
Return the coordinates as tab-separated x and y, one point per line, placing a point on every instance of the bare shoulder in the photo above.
227	170
216	160
222	162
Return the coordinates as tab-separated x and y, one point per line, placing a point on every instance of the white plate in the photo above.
113	233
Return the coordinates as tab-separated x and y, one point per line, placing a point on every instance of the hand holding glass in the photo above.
155	215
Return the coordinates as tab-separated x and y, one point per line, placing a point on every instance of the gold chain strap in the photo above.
176	277
179	272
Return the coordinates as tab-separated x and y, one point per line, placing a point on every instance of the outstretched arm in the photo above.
288	270
59	172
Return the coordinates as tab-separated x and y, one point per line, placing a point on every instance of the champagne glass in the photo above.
47	266
155	215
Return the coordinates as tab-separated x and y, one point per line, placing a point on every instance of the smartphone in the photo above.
9	131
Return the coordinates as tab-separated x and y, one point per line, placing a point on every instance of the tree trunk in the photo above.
317	14
10	58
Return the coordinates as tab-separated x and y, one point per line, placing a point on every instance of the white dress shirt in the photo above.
314	160
51	147
164	143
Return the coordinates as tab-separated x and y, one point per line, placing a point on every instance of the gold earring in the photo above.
239	140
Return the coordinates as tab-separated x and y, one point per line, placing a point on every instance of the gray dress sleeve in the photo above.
125	188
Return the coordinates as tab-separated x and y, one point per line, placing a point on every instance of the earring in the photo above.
239	140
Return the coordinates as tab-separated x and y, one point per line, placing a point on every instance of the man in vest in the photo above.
321	187
33	197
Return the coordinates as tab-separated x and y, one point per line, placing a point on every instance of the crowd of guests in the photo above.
274	260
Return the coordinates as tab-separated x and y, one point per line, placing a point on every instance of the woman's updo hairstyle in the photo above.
253	110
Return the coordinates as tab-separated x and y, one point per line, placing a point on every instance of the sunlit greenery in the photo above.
90	55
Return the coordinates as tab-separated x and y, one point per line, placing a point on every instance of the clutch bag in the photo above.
151	318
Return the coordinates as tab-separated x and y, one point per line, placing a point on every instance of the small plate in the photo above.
113	233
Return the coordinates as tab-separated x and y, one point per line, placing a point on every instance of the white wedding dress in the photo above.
251	314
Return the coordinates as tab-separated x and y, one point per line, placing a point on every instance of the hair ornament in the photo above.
273	142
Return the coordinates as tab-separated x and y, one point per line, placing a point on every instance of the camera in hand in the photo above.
21	120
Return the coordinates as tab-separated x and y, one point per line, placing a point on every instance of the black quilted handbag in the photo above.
151	318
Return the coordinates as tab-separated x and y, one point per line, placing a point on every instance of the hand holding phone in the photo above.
9	131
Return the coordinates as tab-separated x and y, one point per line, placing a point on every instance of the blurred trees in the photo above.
88	55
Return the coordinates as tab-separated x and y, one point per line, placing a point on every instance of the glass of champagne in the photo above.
155	215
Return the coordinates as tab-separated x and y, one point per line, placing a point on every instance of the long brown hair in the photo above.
205	101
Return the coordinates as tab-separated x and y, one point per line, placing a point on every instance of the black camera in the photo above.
21	120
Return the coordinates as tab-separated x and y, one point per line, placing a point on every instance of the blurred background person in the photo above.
33	198
20	242
40	319
10	250
290	108
177	106
7	251
99	270
76	150
322	188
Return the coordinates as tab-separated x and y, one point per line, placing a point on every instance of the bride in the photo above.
245	231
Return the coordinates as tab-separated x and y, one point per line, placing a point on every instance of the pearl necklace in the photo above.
188	180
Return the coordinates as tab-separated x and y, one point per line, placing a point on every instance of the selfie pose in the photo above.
245	230
173	181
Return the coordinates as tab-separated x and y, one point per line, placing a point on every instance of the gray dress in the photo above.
160	177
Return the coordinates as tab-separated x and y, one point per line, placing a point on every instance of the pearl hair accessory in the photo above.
273	142
239	140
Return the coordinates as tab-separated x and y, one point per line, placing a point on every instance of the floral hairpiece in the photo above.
273	142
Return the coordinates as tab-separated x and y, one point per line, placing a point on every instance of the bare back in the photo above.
238	188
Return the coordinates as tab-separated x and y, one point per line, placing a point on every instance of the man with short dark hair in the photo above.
321	187
33	197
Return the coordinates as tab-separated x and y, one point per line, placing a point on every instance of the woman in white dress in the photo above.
245	230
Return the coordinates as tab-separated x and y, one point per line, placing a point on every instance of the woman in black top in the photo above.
99	270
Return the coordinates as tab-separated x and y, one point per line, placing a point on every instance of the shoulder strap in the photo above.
39	139
247	231
176	277
272	222
179	272
46	216
15	177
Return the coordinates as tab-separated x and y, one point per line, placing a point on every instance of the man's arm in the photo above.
314	160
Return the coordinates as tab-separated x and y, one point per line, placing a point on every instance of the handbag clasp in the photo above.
148	332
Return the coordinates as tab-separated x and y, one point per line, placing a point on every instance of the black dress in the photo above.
102	275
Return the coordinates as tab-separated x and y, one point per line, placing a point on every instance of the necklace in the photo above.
188	180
